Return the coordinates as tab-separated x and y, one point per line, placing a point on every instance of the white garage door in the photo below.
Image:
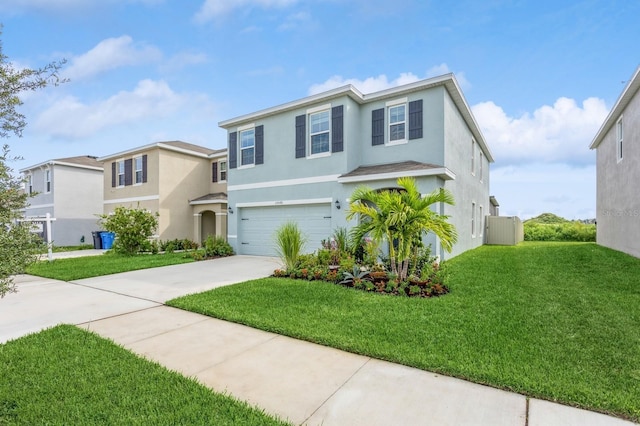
257	227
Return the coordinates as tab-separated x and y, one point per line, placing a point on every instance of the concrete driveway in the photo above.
41	303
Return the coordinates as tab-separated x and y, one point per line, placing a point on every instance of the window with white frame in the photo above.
138	170
480	221
29	184
120	171
319	132
473	157
247	147
223	170
480	161
473	219
619	139
397	122
47	180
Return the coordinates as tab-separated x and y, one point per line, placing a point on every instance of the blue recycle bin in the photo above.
107	239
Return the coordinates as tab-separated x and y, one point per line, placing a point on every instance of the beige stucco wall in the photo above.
618	199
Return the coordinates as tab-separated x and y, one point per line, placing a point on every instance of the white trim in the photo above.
246	127
619	138
319	109
286	202
40	206
232	237
284	182
128	200
396	102
442	172
220	214
203	202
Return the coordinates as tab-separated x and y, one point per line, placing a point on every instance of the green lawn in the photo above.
67	376
558	321
110	263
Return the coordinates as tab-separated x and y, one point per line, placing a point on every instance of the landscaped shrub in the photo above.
217	247
177	244
289	243
567	231
133	228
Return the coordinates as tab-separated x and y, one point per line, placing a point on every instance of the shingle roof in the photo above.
82	160
404	166
216	196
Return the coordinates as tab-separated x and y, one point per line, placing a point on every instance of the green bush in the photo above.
567	231
133	228
217	247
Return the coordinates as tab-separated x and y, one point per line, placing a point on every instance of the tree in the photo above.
17	243
133	228
402	217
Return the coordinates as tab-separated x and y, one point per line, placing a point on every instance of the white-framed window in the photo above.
47	180
480	221
473	157
222	166
619	139
397	122
319	132
480	161
120	171
29	184
473	220
138	169
247	147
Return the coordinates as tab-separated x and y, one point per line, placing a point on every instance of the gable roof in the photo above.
82	162
627	94
396	170
447	80
177	146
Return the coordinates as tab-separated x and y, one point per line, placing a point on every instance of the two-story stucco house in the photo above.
617	146
302	160
70	190
184	183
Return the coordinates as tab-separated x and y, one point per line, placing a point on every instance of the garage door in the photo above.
258	226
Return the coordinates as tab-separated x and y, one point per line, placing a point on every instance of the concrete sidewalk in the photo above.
299	381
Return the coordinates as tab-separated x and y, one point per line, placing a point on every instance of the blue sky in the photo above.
540	76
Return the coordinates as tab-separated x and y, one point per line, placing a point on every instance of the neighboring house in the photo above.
617	145
184	183
302	160
70	190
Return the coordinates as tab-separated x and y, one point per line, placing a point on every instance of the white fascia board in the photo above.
625	97
128	152
203	202
442	172
182	150
285	182
285	202
79	166
132	199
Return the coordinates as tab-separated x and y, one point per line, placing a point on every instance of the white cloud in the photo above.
214	8
558	133
382	82
109	54
70	118
294	21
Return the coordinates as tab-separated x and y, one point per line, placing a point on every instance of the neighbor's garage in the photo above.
258	225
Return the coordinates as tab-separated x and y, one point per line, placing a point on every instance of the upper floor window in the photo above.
619	139
223	170
480	162
29	184
138	170
319	132
121	174
247	147
473	157
47	180
397	121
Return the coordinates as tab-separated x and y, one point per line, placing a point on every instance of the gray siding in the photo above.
617	199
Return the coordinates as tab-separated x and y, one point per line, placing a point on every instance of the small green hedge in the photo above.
567	231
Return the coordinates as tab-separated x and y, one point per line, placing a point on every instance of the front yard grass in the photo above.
106	264
557	321
67	376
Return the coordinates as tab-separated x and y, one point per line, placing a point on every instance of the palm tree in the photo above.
401	217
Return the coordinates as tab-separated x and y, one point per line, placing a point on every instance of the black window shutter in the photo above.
415	119
377	127
337	129
144	168
259	134
128	172
113	175
301	136
233	150
214	172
